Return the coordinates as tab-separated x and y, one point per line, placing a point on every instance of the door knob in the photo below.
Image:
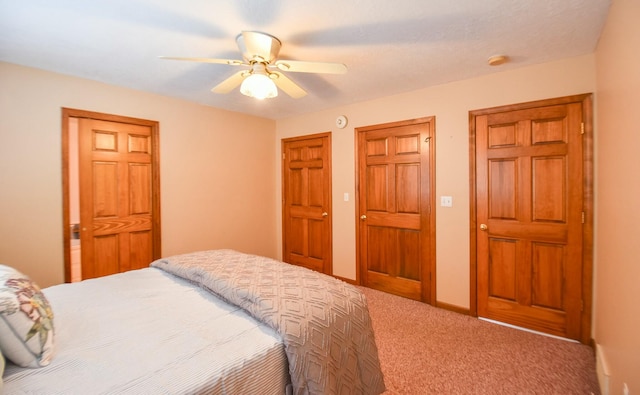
363	217
324	214
483	227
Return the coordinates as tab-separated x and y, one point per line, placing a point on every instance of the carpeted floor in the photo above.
427	350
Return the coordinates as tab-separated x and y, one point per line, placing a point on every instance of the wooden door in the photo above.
396	248
307	234
530	206
119	211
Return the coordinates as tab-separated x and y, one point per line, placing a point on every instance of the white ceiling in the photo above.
389	46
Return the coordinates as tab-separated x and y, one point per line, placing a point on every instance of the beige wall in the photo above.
217	170
220	178
450	104
617	254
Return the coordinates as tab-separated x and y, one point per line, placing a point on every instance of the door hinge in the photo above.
583	217
582	128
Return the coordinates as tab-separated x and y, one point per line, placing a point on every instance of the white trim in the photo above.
602	370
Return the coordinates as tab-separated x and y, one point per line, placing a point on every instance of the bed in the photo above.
216	321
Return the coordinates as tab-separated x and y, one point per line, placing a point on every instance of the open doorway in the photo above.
111	193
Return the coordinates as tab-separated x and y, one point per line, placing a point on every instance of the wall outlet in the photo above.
446	201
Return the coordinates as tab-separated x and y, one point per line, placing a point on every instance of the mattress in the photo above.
149	332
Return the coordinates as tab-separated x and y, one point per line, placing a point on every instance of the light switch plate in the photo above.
446	201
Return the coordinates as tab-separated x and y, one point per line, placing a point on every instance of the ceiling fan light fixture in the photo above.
260	53
259	86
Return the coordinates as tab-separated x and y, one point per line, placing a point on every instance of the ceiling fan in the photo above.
260	54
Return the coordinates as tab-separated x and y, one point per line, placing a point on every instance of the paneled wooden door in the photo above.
532	243
306	211
118	193
396	223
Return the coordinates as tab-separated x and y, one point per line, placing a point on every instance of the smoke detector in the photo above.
497	60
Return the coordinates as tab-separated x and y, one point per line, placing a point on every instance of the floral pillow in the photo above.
26	320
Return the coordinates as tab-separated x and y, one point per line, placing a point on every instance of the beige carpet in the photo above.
427	350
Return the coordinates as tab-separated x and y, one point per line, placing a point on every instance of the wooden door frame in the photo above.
68	113
283	141
431	191
586	100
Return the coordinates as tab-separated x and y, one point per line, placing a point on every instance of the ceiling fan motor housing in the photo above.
258	47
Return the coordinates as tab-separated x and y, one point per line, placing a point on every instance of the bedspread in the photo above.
324	322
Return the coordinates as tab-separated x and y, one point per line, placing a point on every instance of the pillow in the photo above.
26	320
1	370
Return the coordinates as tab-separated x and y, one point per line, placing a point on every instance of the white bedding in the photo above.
148	332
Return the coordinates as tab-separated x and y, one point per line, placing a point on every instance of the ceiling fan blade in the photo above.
311	67
288	86
230	83
231	62
258	44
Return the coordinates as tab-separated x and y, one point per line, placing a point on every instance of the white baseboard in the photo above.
602	370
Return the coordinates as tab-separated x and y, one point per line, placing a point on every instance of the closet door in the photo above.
531	214
396	249
307	234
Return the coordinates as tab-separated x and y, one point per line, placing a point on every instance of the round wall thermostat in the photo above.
341	121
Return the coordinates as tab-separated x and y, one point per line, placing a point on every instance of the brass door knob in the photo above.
324	214
363	217
483	227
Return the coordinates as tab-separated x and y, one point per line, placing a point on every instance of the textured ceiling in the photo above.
389	47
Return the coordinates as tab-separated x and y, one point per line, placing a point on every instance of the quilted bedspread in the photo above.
324	322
